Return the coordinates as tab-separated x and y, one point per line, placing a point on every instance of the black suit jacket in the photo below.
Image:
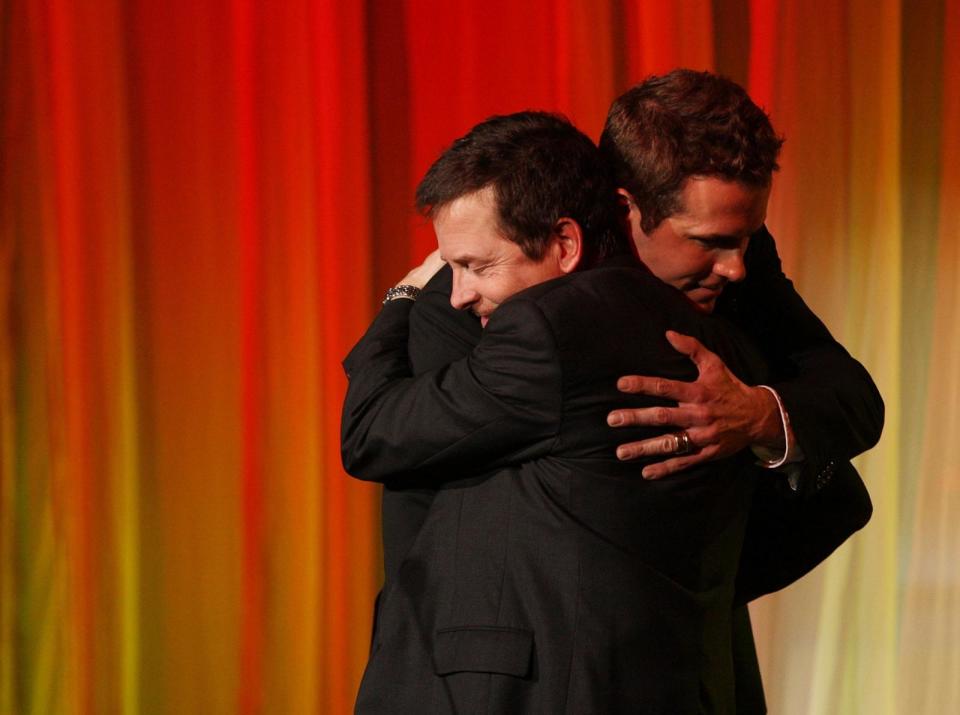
565	584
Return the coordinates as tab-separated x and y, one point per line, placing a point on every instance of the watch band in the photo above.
401	291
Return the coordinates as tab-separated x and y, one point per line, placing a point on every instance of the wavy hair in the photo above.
671	127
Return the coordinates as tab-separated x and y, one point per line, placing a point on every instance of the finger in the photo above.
672	466
689	346
682	417
421	275
434	262
431	264
655	386
653	447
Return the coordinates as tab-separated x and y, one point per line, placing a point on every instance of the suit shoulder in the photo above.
606	289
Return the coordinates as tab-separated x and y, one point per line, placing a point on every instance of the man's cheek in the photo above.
495	294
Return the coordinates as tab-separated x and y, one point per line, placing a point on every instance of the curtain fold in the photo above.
930	616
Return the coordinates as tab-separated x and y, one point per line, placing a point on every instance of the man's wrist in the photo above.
769	433
774	452
402	291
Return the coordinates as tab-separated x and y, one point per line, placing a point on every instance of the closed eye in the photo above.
722	243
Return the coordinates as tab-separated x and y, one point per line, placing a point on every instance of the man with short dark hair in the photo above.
549	578
694	157
685	124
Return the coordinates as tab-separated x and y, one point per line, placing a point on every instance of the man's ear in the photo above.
630	215
628	206
567	244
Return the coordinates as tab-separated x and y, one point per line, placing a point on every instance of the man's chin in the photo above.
704	304
703	299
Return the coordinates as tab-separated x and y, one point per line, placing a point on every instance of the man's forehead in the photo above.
467	228
716	199
721	193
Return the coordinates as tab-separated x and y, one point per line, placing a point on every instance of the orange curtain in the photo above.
200	205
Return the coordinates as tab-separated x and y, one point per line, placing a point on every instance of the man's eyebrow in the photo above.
461	259
717	237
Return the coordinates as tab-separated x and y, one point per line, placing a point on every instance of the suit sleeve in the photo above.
499	405
787	538
439	334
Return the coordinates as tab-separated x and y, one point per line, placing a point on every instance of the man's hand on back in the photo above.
720	414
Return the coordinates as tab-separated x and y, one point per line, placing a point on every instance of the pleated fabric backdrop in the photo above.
200	204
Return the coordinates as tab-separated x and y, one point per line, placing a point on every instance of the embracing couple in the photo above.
603	418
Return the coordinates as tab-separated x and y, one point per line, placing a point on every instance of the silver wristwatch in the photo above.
401	291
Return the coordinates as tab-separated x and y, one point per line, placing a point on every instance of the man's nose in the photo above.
730	265
462	295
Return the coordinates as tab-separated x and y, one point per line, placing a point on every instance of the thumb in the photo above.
689	346
685	344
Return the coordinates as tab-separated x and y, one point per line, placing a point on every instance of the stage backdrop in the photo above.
200	204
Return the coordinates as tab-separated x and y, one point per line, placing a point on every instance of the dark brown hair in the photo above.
682	124
541	169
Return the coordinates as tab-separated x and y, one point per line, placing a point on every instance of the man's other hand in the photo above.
720	414
418	277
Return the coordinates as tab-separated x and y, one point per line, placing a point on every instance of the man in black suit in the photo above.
669	141
551	578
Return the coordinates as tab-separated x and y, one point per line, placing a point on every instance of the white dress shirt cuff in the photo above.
792	453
